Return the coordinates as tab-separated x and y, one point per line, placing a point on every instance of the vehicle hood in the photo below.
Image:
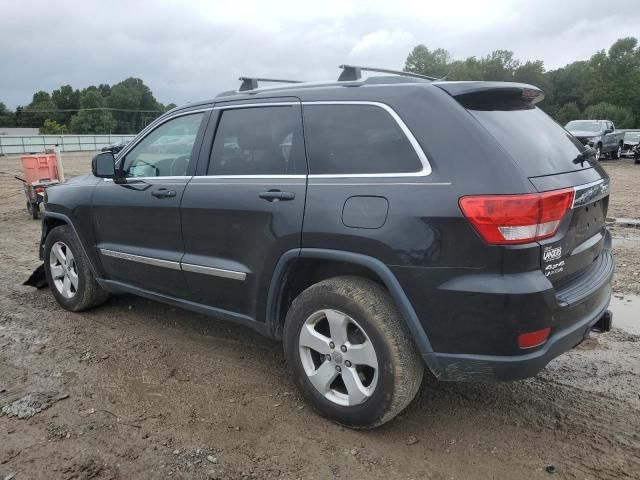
79	180
584	134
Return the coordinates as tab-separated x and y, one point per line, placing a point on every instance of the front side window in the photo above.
356	139
258	141
166	151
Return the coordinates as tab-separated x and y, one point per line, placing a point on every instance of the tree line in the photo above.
125	107
607	86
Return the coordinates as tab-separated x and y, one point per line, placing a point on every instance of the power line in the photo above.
27	109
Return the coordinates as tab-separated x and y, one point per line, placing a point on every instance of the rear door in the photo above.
245	206
137	223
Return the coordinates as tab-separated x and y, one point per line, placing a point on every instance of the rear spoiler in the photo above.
493	95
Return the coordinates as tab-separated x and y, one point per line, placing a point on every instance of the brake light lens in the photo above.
515	219
533	339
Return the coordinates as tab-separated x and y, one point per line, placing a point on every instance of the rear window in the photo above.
536	142
356	139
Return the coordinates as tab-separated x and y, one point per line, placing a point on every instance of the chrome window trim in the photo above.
151	127
426	166
284	177
251	105
166	177
381	184
216	272
156	262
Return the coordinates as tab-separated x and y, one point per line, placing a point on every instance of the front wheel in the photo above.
617	153
350	352
68	272
598	152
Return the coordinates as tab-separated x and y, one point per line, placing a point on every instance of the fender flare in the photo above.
69	222
384	273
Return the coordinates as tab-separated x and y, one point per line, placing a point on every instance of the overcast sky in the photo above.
187	50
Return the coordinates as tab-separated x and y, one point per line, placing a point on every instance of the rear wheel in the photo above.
68	272
350	352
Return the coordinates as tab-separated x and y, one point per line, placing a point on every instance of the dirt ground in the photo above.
136	389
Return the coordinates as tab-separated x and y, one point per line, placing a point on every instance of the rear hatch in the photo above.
550	158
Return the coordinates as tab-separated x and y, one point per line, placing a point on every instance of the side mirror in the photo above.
103	165
609	130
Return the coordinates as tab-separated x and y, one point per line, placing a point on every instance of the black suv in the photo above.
374	225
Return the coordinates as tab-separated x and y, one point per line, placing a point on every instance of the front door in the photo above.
137	223
246	208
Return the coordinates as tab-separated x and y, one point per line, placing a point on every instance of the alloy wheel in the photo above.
338	357
64	270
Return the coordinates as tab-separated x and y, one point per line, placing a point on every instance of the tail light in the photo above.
514	219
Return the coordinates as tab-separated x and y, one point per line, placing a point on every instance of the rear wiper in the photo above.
586	154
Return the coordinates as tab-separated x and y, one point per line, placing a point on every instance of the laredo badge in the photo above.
551	253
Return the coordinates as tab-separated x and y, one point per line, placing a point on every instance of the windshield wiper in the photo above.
586	155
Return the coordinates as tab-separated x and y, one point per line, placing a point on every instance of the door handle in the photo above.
277	195
163	193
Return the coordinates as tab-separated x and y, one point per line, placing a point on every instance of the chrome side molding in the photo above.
185	267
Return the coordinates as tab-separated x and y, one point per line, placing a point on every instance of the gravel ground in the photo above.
136	389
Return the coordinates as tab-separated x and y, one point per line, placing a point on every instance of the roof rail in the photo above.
250	83
351	73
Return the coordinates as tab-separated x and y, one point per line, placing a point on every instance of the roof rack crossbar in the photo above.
353	72
251	83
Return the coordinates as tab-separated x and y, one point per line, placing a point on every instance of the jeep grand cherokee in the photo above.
376	226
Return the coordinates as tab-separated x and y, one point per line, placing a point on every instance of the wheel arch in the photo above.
364	265
52	220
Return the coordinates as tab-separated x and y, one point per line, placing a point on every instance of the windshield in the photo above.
633	136
583	126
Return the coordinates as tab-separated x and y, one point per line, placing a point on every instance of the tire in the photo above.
598	152
34	210
61	272
373	323
617	153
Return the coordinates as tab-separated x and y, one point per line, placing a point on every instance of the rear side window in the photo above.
537	144
258	141
356	139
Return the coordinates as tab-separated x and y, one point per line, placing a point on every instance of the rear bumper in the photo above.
571	313
464	367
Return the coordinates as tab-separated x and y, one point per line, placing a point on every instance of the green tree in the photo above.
568	112
620	116
135	105
426	62
40	108
66	98
611	76
499	65
51	127
7	117
469	69
93	118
